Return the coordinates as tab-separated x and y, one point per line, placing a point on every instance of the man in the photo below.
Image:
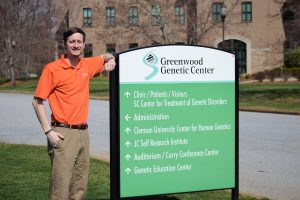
65	83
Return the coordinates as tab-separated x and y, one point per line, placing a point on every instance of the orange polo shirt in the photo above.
67	88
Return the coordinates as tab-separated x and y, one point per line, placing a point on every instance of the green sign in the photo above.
177	120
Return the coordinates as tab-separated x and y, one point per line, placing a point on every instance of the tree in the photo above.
29	23
291	20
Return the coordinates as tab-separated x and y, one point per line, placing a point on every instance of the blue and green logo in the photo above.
150	60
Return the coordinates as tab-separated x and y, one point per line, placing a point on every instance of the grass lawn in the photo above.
99	87
25	172
281	97
23	85
270	97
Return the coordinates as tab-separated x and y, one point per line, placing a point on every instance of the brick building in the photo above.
253	29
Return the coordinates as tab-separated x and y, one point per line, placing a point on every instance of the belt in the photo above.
79	126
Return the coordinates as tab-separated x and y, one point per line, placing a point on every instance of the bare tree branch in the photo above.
29	23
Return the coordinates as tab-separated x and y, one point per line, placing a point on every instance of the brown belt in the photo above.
79	126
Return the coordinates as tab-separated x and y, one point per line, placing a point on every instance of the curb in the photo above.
269	111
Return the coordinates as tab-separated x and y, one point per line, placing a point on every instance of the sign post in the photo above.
174	121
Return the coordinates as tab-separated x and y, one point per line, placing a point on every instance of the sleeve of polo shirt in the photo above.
95	65
45	84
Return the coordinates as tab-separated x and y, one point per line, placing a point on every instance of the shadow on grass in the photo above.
269	95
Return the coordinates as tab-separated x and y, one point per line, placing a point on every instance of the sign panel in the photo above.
177	120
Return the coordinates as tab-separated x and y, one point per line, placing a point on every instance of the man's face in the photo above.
75	45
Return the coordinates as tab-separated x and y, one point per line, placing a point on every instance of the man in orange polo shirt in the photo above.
65	83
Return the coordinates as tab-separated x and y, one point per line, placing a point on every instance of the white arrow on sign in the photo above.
127	117
127	130
127	157
127	94
127	144
127	170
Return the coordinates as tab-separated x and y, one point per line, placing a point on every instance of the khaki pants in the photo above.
70	165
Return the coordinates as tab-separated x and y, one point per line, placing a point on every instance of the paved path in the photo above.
19	123
270	155
269	143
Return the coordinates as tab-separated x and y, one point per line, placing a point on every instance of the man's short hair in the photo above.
71	31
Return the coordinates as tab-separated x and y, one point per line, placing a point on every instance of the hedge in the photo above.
292	58
277	72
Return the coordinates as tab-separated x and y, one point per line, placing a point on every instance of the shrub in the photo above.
283	72
259	76
271	74
4	80
295	72
245	77
292	58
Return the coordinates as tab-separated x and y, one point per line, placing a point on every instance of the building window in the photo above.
110	16
133	16
155	15
87	17
246	11
179	14
133	45
88	50
110	48
216	11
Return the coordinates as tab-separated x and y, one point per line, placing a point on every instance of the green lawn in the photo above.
281	97
25	172
99	88
23	85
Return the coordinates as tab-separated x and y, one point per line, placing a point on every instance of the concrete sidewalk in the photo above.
269	143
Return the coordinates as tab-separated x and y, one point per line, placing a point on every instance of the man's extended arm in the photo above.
38	105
